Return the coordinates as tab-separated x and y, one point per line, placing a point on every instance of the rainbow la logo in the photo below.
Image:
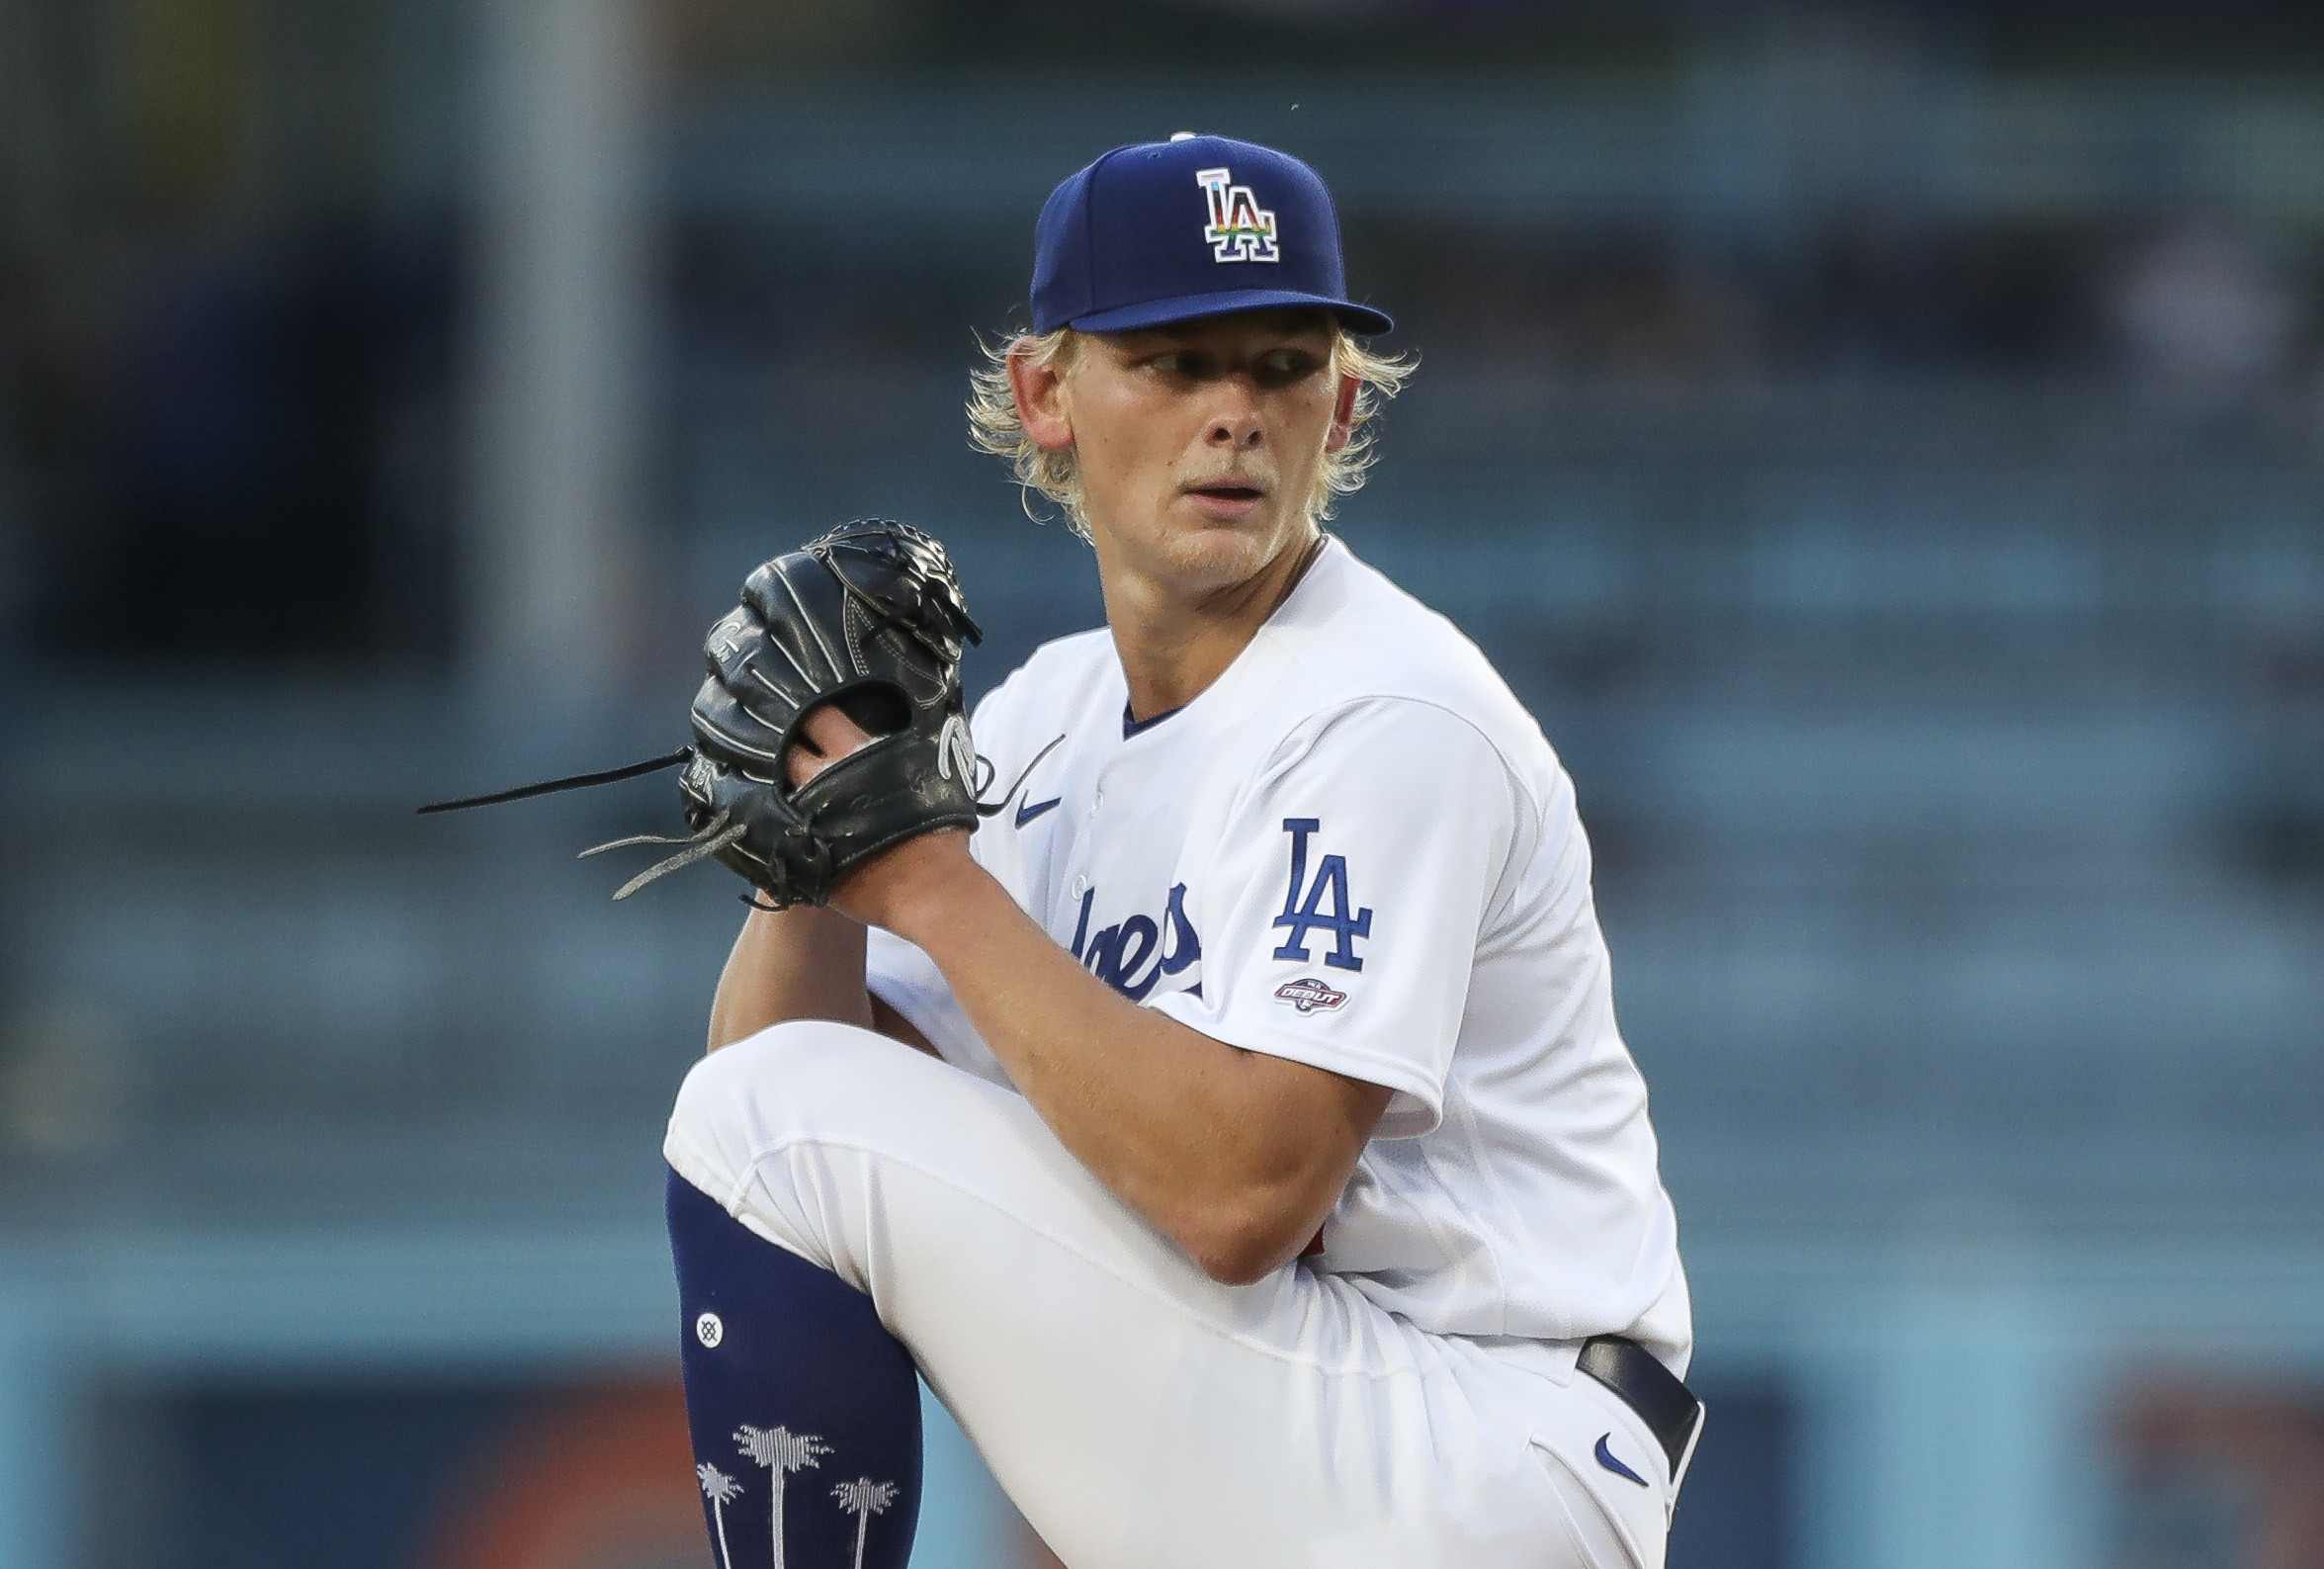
1240	230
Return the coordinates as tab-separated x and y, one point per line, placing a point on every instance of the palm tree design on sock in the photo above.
780	1451
721	1489
863	1498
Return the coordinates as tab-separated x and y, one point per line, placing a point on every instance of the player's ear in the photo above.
1039	391
1344	414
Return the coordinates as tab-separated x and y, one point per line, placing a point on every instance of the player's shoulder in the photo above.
1063	662
1365	641
1057	680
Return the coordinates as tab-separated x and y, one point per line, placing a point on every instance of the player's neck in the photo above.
1174	643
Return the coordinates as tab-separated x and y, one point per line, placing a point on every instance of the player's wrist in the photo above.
802	923
948	893
915	888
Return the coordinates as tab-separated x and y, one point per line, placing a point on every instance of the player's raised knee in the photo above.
754	1090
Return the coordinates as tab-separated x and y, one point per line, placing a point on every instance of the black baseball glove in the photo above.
869	618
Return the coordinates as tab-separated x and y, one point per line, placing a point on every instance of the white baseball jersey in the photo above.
1357	850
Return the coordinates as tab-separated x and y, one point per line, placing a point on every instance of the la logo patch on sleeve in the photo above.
1309	995
1324	903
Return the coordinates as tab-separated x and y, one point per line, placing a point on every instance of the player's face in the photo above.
1198	445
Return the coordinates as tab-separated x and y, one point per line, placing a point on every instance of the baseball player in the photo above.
1233	1129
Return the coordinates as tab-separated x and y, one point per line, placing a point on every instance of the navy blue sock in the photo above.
797	1399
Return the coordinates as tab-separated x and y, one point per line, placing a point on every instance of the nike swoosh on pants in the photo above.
1606	1457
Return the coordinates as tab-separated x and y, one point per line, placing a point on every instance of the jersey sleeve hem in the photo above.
1416	1106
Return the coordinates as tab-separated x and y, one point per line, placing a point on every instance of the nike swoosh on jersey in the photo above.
1606	1457
1027	813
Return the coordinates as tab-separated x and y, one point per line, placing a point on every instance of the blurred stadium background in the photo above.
1884	444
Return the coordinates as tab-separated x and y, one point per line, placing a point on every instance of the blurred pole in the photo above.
1950	1425
561	305
37	1498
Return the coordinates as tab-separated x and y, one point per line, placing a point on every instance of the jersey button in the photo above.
1081	886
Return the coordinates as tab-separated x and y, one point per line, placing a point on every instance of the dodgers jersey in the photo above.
1357	850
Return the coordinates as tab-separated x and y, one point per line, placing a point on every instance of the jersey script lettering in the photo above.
1117	954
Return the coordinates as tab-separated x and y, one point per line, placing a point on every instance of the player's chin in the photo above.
1217	551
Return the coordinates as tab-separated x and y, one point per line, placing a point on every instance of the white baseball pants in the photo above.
1141	1415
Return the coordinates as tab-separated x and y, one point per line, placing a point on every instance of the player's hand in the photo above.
825	736
874	890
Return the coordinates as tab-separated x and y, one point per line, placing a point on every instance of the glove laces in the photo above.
714	836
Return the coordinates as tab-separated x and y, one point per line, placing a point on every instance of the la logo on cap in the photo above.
1120	247
1240	230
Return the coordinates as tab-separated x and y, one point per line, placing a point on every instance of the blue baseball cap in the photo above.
1167	231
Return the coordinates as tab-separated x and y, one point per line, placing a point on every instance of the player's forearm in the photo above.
1226	1151
792	964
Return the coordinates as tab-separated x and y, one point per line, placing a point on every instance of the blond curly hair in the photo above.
993	426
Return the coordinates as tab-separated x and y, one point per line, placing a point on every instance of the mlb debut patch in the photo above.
1307	994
